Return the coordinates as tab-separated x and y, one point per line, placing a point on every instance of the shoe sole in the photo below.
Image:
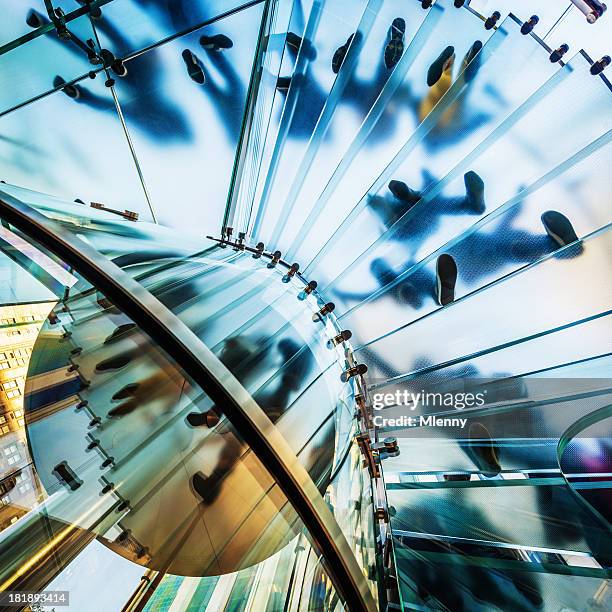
563	234
193	69
474	184
125	393
446	270
437	67
101	367
340	55
215	46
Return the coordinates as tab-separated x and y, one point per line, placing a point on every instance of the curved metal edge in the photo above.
584	422
216	380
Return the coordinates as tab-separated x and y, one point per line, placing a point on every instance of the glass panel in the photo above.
311	102
284	15
442	215
187	130
364	79
426	24
492	585
493	319
127	26
385	141
573	29
32	69
524	435
55	157
534	516
297	25
547	12
123	401
97	378
451	127
95	564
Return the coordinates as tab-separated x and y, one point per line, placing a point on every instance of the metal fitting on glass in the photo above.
363	441
492	20
123	536
53	318
381	515
126	214
93	444
325	310
359	370
598	67
291	272
82	404
308	289
426	3
591	9
558	53
240	244
391	445
226	233
108	57
275	259
459	3
108	462
118	67
528	26
95	422
66	474
260	249
343	336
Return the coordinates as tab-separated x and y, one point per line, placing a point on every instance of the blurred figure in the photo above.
159	118
461	117
274	399
413	229
446	575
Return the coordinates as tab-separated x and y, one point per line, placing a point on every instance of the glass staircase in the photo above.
199	409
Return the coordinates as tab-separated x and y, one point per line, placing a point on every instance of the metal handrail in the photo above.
196	359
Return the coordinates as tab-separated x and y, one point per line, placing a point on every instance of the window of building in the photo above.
5	429
11	384
13	393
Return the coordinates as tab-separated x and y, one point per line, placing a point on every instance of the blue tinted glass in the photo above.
73	148
32	69
131	25
185	133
